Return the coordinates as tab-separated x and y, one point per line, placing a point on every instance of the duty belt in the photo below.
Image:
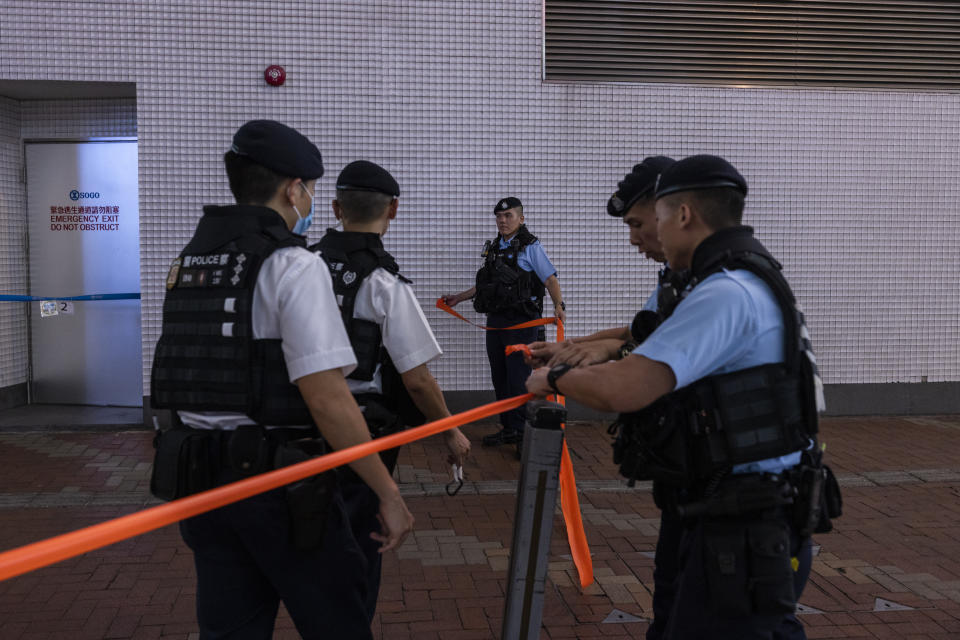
250	449
738	494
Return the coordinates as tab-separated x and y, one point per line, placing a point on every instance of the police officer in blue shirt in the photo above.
721	405
509	289
633	203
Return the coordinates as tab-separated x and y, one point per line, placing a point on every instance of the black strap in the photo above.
520	240
737	248
351	258
524	237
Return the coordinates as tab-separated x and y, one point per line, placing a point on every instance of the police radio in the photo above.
486	248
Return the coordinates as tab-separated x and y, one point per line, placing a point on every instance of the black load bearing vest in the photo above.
352	257
696	432
207	358
502	286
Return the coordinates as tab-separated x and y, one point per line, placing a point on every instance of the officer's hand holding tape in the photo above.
578	354
453	299
537	382
559	310
540	353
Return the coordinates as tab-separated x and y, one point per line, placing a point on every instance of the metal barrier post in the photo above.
533	521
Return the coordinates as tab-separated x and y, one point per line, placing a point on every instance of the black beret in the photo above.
363	175
638	183
507	203
279	148
700	172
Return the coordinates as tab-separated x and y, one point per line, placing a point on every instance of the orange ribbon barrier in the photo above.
443	306
518	348
570	505
569	500
24	559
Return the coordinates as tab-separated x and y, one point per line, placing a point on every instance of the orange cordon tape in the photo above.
570	505
24	559
569	500
443	306
518	348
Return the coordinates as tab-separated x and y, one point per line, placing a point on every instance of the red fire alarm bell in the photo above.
275	75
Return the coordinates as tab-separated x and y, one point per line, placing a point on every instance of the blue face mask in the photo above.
302	223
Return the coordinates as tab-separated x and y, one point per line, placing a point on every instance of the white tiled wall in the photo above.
79	119
13	269
854	191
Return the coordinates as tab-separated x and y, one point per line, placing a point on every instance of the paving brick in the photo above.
898	540
123	626
98	623
406	616
13	630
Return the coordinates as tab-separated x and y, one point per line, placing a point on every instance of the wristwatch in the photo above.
562	305
626	349
555	372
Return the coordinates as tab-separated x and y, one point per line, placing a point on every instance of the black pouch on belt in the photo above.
248	451
807	505
308	500
831	502
182	463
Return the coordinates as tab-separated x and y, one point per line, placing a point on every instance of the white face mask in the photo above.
303	224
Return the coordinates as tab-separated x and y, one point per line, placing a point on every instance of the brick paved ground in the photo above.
889	570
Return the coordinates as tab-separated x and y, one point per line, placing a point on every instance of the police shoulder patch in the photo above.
173	274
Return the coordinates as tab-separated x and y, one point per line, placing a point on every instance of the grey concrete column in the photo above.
533	521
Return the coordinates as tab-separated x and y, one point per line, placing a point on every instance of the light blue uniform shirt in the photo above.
651	303
533	258
730	321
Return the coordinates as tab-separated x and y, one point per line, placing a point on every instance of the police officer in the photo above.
509	289
390	336
633	202
252	355
722	400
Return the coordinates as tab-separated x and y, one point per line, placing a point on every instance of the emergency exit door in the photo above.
84	227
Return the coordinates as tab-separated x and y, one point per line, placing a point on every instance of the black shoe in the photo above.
502	437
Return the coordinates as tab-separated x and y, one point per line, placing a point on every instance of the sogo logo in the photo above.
76	195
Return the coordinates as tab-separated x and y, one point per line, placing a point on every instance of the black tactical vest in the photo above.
693	433
502	286
352	257
207	358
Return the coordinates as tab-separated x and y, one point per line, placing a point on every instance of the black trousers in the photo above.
666	568
246	566
509	373
362	506
689	605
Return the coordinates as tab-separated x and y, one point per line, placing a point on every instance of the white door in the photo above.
84	224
